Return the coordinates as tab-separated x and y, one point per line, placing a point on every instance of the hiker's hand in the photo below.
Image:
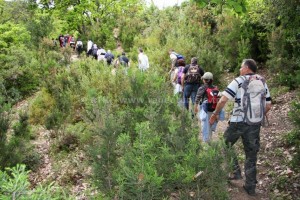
196	109
213	118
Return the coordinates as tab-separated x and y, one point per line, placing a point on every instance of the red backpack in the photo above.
212	98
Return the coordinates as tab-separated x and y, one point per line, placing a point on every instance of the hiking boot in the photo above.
235	177
250	190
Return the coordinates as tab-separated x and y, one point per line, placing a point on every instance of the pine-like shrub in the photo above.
15	185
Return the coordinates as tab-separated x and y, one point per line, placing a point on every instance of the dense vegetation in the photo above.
129	128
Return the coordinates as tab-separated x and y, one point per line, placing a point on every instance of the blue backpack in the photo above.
179	56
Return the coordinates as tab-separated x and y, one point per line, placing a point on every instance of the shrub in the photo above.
21	128
41	107
15	185
293	138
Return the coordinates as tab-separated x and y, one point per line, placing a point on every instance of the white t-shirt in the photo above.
233	92
89	45
143	61
101	54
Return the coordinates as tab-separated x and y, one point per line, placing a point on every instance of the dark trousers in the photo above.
251	142
190	91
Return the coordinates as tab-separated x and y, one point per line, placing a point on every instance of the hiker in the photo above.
124	61
190	82
101	54
79	46
66	39
207	99
61	40
94	51
175	57
252	101
89	46
143	60
178	72
72	42
109	57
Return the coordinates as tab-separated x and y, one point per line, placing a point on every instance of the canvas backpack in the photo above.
253	99
193	74
212	98
179	74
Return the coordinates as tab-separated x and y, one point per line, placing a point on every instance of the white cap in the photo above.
207	76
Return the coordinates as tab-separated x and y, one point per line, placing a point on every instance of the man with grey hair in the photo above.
190	81
241	123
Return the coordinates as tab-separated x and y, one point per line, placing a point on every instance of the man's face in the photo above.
243	69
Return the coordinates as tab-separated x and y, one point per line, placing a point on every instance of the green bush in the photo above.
128	138
21	128
293	138
40	108
15	185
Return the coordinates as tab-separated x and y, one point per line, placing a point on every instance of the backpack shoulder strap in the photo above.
240	82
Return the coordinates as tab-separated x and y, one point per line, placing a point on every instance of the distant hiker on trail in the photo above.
109	57
207	98
143	60
190	82
252	101
94	51
79	46
124	61
61	40
178	72
72	42
175	57
101	54
89	45
66	39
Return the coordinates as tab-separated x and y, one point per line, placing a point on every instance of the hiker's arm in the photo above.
182	81
199	96
175	77
218	109
173	62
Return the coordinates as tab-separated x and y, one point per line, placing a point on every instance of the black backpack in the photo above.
109	58
94	51
122	62
193	74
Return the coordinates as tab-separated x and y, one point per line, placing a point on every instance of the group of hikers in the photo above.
108	57
65	40
252	101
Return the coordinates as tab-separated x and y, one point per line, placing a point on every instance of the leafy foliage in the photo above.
15	185
293	138
129	146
